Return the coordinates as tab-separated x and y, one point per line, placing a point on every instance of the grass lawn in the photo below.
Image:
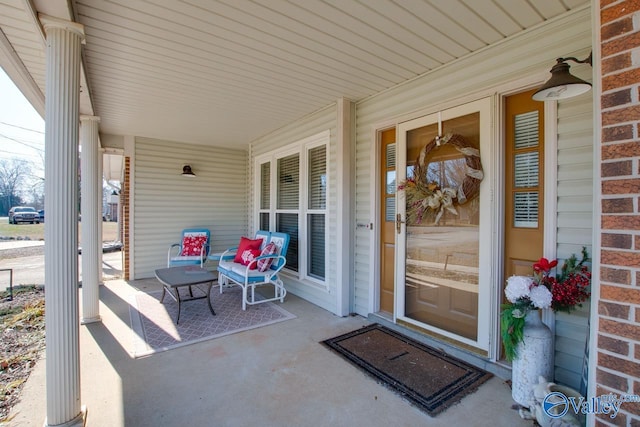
36	231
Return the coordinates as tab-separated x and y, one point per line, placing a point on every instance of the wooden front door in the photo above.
387	215
524	186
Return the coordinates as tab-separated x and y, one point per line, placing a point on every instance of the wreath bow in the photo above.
440	201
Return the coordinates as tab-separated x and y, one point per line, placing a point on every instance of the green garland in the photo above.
511	329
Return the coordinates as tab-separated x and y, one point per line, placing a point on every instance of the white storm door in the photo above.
444	270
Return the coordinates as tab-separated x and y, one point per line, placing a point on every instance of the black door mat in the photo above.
428	378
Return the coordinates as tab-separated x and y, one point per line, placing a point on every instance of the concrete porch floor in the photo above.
277	375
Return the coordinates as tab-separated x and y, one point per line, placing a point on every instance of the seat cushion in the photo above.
184	260
246	243
236	272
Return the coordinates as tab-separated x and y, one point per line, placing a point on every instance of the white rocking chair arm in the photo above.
269	272
178	245
228	251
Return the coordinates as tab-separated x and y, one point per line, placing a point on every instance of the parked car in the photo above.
23	214
41	215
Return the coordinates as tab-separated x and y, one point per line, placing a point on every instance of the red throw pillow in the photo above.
264	264
249	255
246	243
192	244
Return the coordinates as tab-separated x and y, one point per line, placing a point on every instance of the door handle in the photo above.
399	223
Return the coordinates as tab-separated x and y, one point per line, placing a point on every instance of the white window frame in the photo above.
301	148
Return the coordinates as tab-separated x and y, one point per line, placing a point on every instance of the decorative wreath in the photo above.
426	200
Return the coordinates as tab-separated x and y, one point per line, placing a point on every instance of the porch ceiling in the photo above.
226	72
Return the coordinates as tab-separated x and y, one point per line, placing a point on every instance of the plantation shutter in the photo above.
526	170
526	129
317	162
390	193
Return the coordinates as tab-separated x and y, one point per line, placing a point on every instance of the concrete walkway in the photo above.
29	270
277	375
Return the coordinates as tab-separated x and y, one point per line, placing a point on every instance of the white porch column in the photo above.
100	210
91	241
61	228
345	197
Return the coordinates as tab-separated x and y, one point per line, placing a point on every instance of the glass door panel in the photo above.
442	259
442	283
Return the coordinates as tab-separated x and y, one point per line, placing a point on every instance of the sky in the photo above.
21	127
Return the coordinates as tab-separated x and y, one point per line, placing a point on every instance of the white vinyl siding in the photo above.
467	79
164	202
575	219
323	295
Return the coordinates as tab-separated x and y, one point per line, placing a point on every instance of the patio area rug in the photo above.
154	328
429	379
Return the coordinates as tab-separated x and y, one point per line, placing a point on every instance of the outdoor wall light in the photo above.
186	171
563	84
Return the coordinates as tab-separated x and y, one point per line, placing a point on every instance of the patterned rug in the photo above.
155	330
429	379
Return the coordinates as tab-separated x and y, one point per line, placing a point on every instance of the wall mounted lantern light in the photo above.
563	84
186	171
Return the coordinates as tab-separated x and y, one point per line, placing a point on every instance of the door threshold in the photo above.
385	315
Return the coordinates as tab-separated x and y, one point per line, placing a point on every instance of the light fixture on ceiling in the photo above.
186	171
563	84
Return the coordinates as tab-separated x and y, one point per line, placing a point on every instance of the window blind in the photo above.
289	182
318	178
265	187
316	245
288	223
264	221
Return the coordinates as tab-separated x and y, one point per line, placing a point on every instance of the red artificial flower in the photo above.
544	265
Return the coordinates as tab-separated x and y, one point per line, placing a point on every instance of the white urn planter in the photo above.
534	359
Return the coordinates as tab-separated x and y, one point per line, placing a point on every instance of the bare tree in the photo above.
14	174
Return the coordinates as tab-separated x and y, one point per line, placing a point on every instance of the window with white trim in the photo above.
292	198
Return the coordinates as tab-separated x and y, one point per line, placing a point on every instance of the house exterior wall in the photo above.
574	221
617	298
323	120
517	63
165	203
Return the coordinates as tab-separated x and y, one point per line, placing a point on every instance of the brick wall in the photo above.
124	203
618	345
